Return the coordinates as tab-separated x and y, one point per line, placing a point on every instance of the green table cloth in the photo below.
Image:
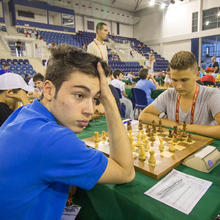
127	201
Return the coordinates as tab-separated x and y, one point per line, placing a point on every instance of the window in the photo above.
195	21
26	14
90	25
211	18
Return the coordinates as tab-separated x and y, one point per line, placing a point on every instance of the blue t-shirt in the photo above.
3	71
39	159
147	86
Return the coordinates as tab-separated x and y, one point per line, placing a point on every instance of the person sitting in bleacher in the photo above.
12	91
188	102
117	83
6	69
145	84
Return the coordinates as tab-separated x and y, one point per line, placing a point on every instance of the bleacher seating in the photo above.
83	37
19	66
126	67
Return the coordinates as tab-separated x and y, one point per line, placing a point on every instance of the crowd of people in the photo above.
43	114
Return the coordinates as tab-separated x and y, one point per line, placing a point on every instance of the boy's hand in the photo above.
104	87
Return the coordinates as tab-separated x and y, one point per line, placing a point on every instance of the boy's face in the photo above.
39	84
120	76
184	80
75	101
103	33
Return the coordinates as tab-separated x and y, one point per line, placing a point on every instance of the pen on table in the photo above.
164	191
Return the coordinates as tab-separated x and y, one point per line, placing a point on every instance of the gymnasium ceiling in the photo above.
129	5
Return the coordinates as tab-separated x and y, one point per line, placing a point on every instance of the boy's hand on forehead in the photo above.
104	87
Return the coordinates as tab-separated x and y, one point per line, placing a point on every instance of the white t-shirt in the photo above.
98	49
118	84
206	106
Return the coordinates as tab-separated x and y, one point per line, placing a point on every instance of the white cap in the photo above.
13	81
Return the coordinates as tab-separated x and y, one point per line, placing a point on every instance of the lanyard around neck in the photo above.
193	106
99	49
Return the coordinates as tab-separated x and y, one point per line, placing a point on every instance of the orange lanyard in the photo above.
193	106
99	49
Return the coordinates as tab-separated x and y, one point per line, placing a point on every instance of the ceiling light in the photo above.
207	23
152	2
163	5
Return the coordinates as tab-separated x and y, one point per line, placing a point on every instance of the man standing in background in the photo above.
215	65
97	47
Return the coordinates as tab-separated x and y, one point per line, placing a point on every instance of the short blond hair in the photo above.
183	60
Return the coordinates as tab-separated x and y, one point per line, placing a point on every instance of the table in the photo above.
127	201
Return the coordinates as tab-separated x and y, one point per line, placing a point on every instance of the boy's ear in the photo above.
49	90
9	93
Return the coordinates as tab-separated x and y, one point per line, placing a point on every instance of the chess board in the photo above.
165	159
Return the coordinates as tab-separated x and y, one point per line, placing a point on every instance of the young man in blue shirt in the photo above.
39	151
145	84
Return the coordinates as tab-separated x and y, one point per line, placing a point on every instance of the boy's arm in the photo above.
207	130
120	167
150	113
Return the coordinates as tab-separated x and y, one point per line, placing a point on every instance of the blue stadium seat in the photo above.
139	99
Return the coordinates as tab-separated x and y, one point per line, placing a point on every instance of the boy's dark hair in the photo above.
38	77
143	73
183	60
100	25
66	59
116	73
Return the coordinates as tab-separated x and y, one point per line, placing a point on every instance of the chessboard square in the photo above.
179	147
166	154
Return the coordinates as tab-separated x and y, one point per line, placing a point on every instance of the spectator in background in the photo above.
36	33
6	69
208	79
51	45
215	65
25	32
131	77
12	91
149	64
146	85
19	48
97	47
200	72
167	80
117	83
38	81
131	53
30	32
84	47
27	78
